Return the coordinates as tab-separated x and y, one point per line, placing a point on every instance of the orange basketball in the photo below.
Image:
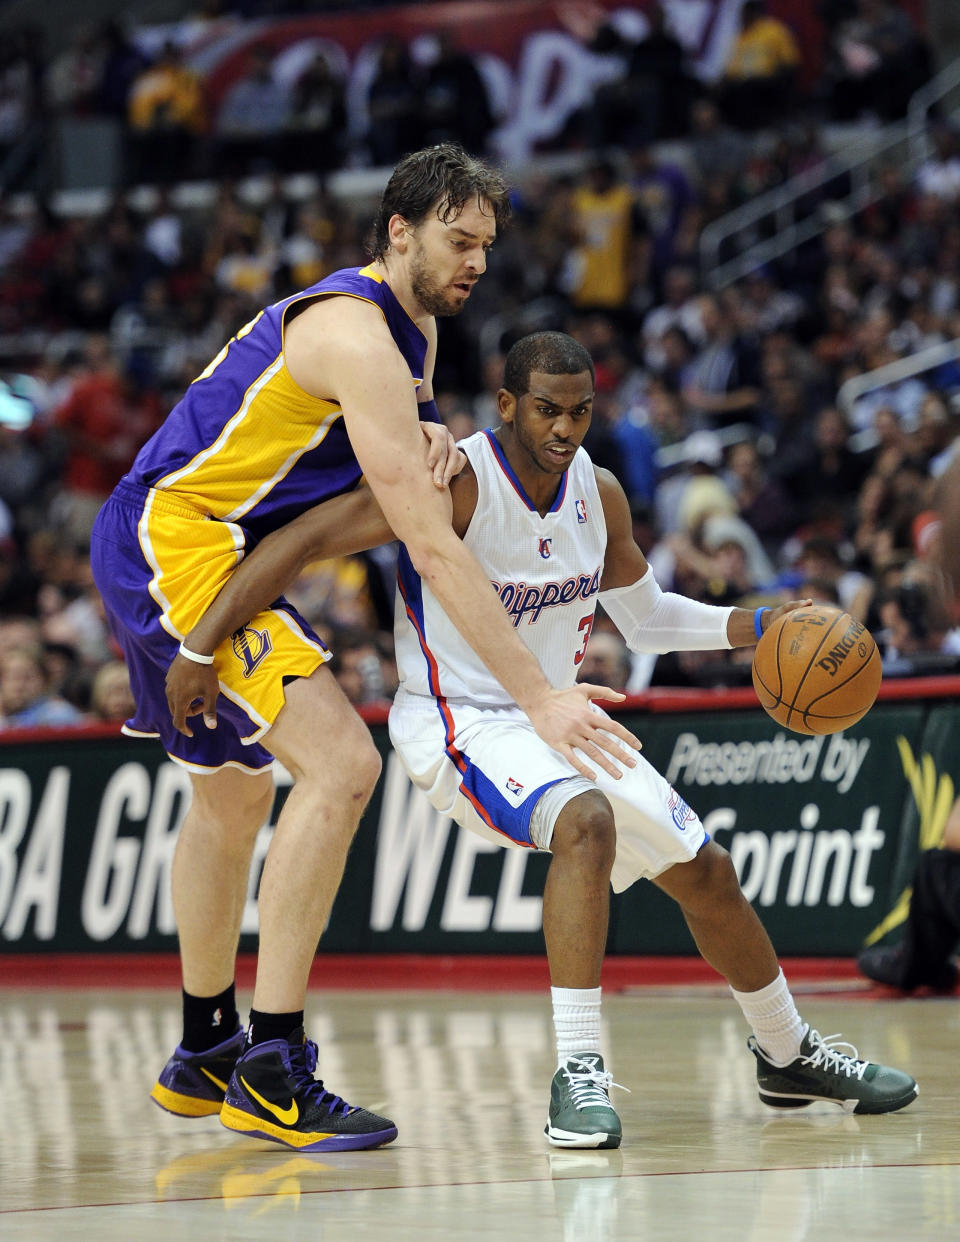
816	670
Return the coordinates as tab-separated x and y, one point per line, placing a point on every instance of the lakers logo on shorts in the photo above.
251	647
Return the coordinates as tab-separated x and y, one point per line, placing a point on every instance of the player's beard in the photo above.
428	292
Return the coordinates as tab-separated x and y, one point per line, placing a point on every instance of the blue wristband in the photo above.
758	622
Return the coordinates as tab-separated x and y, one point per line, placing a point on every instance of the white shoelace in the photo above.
589	1086
827	1054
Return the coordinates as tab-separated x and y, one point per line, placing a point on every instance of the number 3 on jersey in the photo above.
585	626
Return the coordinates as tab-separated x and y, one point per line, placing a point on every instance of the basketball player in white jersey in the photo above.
554	535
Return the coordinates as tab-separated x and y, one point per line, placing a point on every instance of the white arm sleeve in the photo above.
654	620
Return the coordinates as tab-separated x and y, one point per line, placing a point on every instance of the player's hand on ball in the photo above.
776	613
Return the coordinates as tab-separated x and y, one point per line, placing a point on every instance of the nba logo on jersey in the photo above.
251	647
514	787
581	508
545	548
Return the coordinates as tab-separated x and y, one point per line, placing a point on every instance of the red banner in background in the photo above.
536	71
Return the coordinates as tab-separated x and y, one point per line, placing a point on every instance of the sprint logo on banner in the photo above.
801	863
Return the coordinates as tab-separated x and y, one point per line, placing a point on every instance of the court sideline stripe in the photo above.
513	1181
397	971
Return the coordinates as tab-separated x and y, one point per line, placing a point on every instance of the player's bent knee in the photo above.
705	883
353	774
369	766
586	827
254	812
340	753
719	881
364	762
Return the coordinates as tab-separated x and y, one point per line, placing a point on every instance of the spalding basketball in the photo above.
816	670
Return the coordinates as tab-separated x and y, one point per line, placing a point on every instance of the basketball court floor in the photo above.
85	1154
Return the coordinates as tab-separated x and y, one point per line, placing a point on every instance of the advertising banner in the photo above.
536	71
813	824
823	832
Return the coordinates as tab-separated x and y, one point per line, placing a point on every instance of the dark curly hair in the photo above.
550	353
441	179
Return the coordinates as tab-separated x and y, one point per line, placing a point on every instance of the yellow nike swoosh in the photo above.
213	1078
286	1115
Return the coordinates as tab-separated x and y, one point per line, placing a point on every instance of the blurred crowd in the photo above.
173	127
718	409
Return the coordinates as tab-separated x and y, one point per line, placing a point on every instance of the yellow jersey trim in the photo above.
264	378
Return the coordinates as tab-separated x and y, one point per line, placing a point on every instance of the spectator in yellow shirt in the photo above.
167	113
605	225
759	77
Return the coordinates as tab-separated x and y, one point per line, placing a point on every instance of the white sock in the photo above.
576	1020
774	1019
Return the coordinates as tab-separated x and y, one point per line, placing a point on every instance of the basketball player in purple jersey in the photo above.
316	391
553	533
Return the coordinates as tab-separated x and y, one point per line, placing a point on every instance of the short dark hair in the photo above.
443	177
551	353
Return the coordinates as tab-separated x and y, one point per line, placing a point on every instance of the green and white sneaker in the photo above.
833	1071
581	1114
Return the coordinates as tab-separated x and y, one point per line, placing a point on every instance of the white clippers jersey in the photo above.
545	569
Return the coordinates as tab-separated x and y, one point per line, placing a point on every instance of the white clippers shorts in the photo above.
490	771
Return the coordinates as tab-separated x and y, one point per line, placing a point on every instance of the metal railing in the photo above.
892	372
936	91
791	214
782	219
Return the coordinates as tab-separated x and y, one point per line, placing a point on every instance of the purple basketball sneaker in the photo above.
274	1095
193	1084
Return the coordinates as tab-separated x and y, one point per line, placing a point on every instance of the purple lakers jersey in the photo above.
248	445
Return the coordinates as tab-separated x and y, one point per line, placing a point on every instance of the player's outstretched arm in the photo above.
349	523
652	620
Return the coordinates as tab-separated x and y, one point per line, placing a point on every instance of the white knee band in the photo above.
551	803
